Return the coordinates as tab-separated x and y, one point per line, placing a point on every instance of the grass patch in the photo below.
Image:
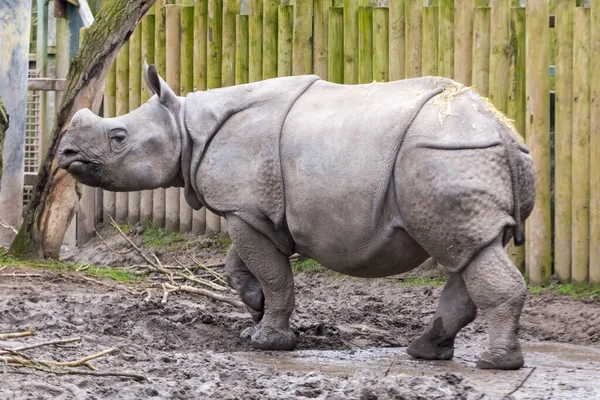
422	281
308	265
157	237
574	290
119	274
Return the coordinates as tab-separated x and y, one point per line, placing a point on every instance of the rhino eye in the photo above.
117	138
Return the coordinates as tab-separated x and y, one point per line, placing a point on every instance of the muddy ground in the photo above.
352	338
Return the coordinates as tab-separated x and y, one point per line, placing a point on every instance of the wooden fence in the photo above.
501	49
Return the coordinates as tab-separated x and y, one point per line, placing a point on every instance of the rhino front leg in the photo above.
273	271
245	284
455	311
498	290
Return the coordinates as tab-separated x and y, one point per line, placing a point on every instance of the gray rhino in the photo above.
369	180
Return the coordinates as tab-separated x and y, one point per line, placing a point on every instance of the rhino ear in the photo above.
156	85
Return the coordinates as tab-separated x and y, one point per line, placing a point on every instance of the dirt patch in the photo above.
352	333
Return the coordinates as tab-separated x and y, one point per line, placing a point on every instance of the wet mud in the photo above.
352	337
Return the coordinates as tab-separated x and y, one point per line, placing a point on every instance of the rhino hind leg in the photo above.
455	311
245	284
498	289
274	273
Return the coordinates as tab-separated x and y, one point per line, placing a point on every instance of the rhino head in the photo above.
136	151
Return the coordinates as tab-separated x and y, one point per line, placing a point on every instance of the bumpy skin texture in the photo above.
369	180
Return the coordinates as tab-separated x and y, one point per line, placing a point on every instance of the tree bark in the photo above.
56	193
3	128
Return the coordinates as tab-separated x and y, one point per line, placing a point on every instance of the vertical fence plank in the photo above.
270	11
414	27
215	12
335	44
500	15
365	45
160	61
516	105
481	50
187	85
581	146
381	52
135	100
122	107
397	39
241	49
200	61
595	147
173	40
538	227
320	37
463	41
446	39
148	55
429	53
302	38
230	10
351	41
284	40
110	101
562	137
255	22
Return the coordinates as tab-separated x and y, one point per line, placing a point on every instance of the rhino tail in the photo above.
512	153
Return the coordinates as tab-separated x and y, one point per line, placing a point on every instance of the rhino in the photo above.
369	180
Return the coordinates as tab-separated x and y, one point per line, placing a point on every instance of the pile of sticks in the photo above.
16	358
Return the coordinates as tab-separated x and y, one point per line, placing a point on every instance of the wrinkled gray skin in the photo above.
369	180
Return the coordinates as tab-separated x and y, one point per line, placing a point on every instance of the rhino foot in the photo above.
429	348
501	359
268	338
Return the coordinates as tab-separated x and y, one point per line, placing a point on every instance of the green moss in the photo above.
422	281
574	290
120	274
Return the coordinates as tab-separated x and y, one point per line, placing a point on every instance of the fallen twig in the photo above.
136	377
2	268
6	225
84	360
16	357
22	275
522	382
204	292
48	343
15	335
204	267
109	248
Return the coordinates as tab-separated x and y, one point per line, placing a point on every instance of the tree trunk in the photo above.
56	193
3	128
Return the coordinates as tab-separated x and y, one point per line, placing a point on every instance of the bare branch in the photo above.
15	335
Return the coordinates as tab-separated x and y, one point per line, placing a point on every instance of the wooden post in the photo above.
397	41
463	41
516	100
381	71
122	107
414	26
539	246
284	40
429	62
320	37
562	137
200	71
335	44
255	23
580	212
595	147
481	50
160	61
350	41
241	50
446	39
302	38
215	40
500	15
135	100
365	45
110	111
269	54
173	54
85	208
230	10
148	29
187	86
